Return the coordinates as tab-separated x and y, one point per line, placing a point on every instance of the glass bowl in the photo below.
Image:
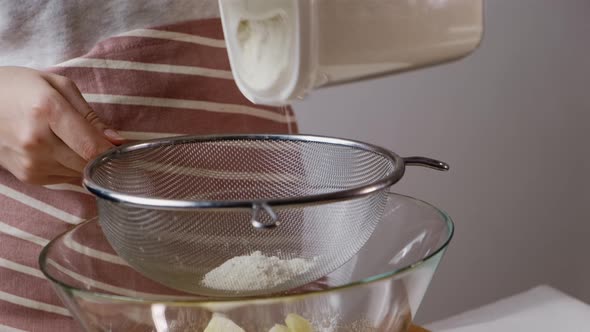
380	289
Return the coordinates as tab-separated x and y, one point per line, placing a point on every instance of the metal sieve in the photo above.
175	209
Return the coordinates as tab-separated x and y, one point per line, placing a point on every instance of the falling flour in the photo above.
255	272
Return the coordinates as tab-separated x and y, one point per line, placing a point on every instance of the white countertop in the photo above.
541	309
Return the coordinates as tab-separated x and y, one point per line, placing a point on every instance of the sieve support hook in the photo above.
426	162
257	208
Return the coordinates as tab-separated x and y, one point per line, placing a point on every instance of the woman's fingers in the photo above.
68	89
66	157
74	129
54	179
60	170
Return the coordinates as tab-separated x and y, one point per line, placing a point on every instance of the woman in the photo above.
77	78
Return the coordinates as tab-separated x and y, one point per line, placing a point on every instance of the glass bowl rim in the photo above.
202	301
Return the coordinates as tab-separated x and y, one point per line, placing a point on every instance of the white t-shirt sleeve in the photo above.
39	34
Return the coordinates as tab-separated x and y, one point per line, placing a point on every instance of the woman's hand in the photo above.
47	130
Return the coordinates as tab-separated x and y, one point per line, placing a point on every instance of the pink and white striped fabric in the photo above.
146	83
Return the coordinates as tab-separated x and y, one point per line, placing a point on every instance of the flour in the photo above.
264	45
255	272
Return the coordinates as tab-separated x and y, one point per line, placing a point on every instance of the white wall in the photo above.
513	122
584	235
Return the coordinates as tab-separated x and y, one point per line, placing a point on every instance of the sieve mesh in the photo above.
177	247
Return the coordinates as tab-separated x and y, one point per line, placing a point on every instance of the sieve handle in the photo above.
426	162
257	208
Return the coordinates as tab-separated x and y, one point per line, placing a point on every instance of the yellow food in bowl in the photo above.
221	323
294	323
297	323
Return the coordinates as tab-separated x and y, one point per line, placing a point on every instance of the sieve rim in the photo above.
180	204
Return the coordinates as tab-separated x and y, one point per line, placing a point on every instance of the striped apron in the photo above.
145	83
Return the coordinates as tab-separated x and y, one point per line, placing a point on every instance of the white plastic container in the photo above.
280	50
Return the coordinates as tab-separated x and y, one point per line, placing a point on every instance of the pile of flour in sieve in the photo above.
255	272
